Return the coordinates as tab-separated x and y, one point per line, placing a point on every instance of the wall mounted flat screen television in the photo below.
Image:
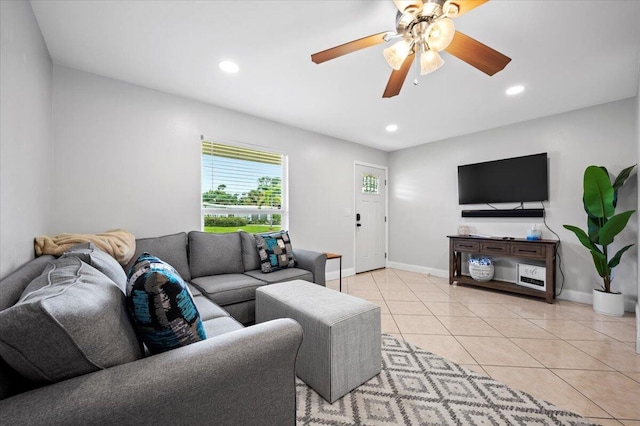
515	179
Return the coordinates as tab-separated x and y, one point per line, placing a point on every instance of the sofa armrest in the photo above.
312	261
240	378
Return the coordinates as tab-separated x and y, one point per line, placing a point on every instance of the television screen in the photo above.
516	179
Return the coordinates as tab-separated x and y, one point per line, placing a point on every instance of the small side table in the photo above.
339	257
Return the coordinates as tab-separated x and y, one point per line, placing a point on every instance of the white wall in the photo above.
129	157
25	138
424	196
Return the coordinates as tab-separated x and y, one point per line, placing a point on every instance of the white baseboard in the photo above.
582	297
334	275
575	296
418	269
571	295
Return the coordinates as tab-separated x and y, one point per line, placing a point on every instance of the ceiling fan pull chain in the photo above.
417	68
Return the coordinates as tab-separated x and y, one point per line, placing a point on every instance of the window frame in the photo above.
283	211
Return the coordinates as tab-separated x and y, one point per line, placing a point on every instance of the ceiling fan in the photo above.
424	27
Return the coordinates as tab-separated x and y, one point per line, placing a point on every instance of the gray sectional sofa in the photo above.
237	376
225	268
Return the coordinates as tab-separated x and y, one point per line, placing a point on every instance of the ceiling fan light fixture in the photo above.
431	8
396	54
425	28
409	6
440	34
451	9
430	61
391	128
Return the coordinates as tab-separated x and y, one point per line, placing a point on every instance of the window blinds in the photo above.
241	178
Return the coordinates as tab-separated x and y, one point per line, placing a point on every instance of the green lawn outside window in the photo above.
252	229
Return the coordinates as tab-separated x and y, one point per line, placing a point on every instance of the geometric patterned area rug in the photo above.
417	387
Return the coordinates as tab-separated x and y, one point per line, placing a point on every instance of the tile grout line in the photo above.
387	305
602	361
453	335
563	316
578	390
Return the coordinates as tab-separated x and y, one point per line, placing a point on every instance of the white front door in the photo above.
370	185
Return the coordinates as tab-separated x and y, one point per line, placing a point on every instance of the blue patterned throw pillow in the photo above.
161	305
275	251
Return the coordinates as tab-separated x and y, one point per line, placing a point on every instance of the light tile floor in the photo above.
564	352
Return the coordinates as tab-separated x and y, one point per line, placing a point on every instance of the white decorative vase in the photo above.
611	304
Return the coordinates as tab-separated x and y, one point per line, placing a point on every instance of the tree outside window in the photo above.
242	189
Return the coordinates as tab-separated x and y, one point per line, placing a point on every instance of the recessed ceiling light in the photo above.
228	66
514	90
391	128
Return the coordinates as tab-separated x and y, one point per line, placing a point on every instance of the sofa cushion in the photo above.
13	285
162	306
288	274
275	251
214	254
250	256
243	312
194	290
73	322
170	248
208	310
102	261
222	325
228	288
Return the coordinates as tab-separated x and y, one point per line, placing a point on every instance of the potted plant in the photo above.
600	198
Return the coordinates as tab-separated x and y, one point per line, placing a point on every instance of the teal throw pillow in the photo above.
275	251
161	305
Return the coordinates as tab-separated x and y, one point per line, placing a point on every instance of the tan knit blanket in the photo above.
117	242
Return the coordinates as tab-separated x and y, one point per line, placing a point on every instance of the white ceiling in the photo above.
569	55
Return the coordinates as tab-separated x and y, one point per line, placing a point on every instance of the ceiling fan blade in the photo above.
352	46
476	54
466	5
397	78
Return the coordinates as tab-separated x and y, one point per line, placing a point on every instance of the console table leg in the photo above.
550	264
452	263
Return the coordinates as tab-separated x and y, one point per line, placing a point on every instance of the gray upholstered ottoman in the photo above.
341	344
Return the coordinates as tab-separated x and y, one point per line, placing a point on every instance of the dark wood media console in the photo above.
538	250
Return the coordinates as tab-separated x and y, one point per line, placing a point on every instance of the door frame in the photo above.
386	212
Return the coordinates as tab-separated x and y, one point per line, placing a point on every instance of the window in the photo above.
369	184
242	188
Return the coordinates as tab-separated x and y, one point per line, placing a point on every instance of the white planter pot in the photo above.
611	304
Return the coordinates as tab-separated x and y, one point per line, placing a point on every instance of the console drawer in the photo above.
465	245
494	247
528	250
